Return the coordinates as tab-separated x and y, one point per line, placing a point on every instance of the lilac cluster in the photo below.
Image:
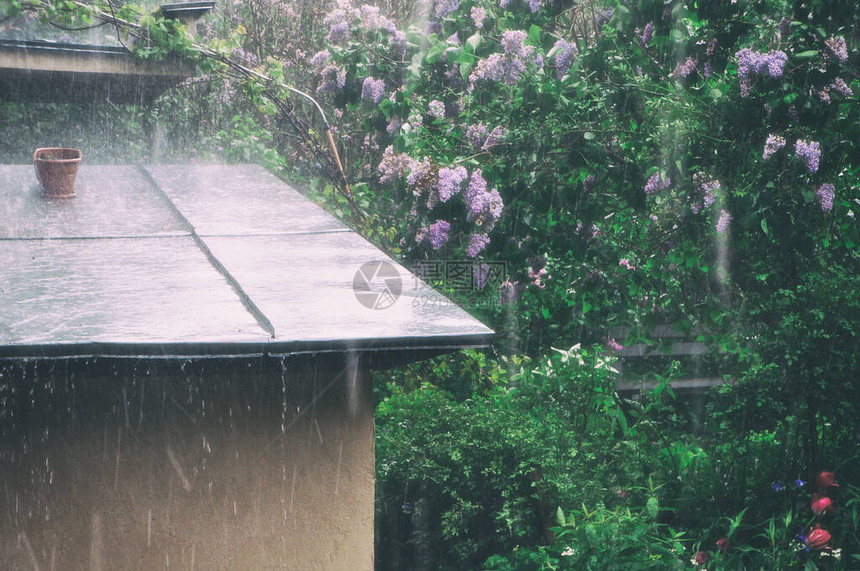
438	233
436	109
445	8
723	221
614	345
752	63
685	68
398	43
338	25
809	153
712	47
481	274
706	190
373	21
477	244
534	5
837	48
657	183
485	207
420	175
511	65
564	53
373	89
625	263
496	136
505	3
394	124
319	59
772	145
394	166
476	134
479	14
840	87
450	182
645	35
825	195
333	78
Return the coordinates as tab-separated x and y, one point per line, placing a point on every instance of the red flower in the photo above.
821	504
702	558
723	544
817	538
826	480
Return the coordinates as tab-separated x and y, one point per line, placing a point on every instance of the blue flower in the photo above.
778	486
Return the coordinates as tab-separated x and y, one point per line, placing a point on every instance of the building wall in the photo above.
210	465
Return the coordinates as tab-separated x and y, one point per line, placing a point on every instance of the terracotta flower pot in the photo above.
56	169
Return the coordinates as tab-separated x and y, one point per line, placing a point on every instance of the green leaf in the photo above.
534	34
559	515
589	136
808	54
473	42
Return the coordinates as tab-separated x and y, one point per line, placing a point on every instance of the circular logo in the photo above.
377	285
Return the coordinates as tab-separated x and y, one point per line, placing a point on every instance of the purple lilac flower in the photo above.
707	71
333	78
837	48
450	182
415	120
564	54
319	59
824	95
505	3
372	20
707	189
476	135
511	65
685	68
496	136
481	274
437	233
614	345
534	5
752	63
723	221
645	35
394	166
657	183
625	263
338	25
419	175
840	87
477	244
436	109
479	14
809	153
432	27
394	124
712	47
825	195
477	186
445	8
772	145
398	43
373	89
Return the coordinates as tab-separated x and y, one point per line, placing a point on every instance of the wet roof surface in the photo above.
197	260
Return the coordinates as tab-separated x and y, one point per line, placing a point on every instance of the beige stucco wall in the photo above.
188	469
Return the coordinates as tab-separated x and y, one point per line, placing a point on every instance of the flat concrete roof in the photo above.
192	260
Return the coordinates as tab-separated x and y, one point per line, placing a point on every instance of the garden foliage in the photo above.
634	164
